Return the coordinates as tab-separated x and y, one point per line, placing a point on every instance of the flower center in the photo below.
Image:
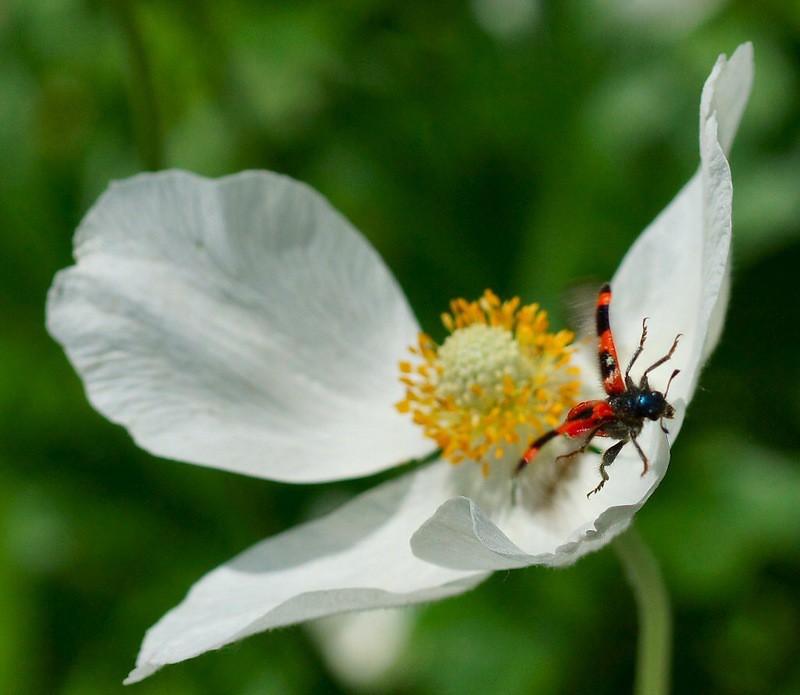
498	380
477	364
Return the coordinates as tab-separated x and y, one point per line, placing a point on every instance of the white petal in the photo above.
677	271
241	324
460	535
726	92
555	531
356	558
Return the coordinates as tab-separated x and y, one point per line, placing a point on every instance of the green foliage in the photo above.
516	149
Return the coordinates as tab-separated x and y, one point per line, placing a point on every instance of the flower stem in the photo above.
654	650
143	93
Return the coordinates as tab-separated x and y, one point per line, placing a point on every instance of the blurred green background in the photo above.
511	144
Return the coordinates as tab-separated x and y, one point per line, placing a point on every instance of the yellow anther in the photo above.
498	377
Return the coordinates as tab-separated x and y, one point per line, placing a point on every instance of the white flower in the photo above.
244	324
364	650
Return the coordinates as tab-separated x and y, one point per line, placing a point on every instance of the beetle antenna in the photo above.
674	374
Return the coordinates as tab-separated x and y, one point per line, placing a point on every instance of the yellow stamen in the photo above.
498	380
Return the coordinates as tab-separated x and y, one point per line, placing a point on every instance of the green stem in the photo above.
143	93
654	651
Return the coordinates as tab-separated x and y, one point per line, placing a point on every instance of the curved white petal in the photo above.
555	530
677	275
677	272
727	91
240	323
462	536
355	558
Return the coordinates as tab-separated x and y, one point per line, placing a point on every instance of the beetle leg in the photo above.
608	459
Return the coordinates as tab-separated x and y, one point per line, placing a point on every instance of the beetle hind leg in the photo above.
588	440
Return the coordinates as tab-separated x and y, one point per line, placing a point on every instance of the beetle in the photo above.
623	413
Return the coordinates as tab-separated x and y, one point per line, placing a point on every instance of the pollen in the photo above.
499	379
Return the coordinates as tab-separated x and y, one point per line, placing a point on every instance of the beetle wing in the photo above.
606	350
